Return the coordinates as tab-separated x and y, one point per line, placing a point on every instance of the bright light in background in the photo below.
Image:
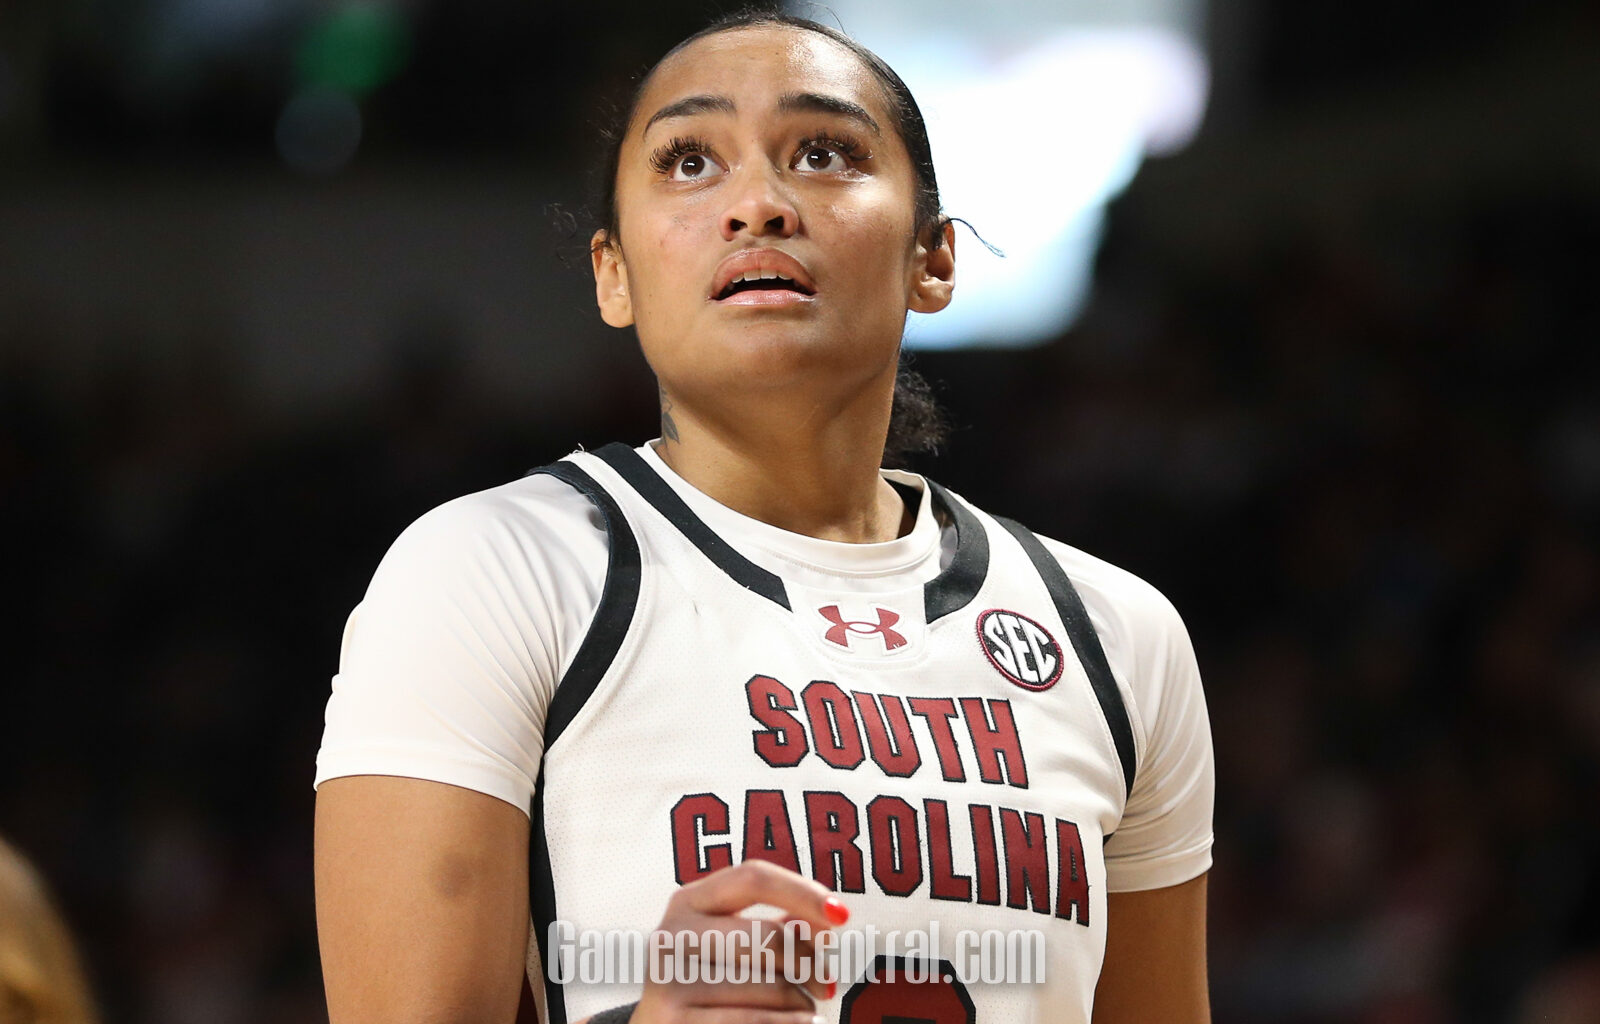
1039	112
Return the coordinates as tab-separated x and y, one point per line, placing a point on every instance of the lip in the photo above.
766	297
765	260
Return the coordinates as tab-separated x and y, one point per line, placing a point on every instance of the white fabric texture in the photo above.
450	660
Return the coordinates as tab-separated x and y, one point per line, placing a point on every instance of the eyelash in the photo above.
664	158
846	145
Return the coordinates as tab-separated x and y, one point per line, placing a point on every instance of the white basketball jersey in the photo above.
953	753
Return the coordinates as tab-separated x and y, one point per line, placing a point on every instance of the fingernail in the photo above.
833	986
837	912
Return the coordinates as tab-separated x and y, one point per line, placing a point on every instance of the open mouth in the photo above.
762	281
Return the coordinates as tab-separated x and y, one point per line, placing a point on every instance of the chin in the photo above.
774	361
777	355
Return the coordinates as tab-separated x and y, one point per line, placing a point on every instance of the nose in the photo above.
758	206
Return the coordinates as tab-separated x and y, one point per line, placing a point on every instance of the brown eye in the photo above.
823	158
693	167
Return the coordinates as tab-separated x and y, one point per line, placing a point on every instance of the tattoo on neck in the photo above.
669	429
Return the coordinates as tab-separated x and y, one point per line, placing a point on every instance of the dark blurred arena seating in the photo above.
1364	463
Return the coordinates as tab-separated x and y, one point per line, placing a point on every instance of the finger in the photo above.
756	881
806	946
674	1004
695	933
691	930
803	962
738	1015
768	995
770	949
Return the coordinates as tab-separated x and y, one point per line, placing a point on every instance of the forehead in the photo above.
753	66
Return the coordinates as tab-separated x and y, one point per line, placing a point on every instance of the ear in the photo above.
610	280
934	272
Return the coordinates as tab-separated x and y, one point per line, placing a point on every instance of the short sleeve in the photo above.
1165	834
449	662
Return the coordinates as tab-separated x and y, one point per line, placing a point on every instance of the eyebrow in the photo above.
689	106
817	103
788	103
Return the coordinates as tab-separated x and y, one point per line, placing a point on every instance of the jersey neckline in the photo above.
950	589
904	555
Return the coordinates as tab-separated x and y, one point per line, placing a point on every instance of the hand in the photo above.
714	904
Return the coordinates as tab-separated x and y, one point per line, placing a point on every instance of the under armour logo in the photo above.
840	631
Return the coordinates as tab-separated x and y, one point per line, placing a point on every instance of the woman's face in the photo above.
766	150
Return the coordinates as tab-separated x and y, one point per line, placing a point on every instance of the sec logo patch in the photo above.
1020	649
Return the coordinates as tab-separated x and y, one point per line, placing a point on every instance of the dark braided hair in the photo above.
916	423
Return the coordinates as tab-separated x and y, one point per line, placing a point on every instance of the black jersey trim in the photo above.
619	598
952	590
955	587
542	901
1069	605
630	465
612	617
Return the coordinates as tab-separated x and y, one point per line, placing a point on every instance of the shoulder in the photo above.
1128	612
1164	836
537	508
1145	641
1130	615
450	660
533	525
522	564
1146	646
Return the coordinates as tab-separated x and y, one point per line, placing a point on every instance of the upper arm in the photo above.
422	901
1160	851
1155	965
432	745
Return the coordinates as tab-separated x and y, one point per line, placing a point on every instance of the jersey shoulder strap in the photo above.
1085	641
630	465
619	597
613	617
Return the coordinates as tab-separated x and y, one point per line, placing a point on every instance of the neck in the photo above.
811	471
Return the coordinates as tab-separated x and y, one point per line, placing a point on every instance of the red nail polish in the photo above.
836	911
833	986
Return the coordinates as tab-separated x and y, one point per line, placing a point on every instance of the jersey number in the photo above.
884	996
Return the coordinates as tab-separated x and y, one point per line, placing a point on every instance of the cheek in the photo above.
879	244
657	278
879	212
664	283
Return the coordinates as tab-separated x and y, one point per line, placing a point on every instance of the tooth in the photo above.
759	276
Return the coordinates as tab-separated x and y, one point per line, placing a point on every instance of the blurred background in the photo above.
277	276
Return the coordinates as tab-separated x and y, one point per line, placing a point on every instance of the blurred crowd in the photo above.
1368	475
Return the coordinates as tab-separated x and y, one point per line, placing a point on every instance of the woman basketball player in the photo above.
742	671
